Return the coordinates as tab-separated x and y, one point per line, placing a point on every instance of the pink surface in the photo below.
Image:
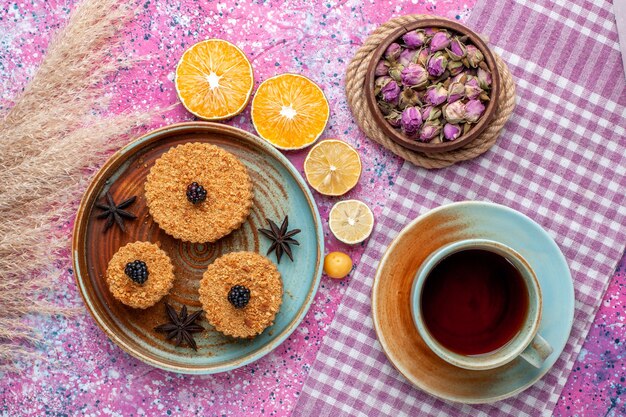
85	373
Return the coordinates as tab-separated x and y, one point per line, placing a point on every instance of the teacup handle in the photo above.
537	352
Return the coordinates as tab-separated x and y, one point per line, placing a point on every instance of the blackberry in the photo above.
239	296
196	193
137	271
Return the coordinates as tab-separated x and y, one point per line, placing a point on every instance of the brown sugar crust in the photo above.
160	275
225	178
253	271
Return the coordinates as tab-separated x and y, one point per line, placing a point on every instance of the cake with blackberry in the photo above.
140	274
241	292
198	192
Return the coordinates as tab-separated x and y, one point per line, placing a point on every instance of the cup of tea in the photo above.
477	304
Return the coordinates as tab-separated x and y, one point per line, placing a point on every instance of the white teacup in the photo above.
526	343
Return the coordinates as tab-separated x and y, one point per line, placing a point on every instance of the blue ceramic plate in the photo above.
391	308
279	190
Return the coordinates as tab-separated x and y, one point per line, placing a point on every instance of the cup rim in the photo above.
517	344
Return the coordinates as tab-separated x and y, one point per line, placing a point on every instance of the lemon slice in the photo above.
351	221
332	167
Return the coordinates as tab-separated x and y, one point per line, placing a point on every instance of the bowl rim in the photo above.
426	147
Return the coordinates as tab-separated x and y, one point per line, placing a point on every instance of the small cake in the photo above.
241	292
140	274
198	192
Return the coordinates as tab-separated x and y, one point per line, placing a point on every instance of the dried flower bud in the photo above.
457	50
484	79
437	64
380	82
440	40
411	121
414	39
456	91
431	31
393	52
472	89
451	132
391	92
430	113
394	118
436	95
407	57
382	68
408	98
386	108
460	78
474	56
395	72
430	130
415	76
454	112
473	110
422	56
455	67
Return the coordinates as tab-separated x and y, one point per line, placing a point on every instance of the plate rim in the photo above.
80	222
380	337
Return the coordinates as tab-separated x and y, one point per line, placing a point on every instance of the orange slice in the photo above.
214	79
289	111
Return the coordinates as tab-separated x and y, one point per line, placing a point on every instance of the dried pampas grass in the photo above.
50	141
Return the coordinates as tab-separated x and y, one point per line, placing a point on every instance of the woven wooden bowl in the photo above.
397	135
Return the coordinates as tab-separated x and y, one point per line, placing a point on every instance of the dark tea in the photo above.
474	301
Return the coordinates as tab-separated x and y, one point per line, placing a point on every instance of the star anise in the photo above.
181	326
281	238
115	212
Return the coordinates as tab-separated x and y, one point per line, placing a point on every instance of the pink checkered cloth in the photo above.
560	160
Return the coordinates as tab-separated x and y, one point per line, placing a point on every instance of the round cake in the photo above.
140	274
198	192
241	292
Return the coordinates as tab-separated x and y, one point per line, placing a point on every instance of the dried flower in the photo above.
430	31
454	112
422	56
473	110
436	95
382	68
457	50
455	67
411	121
393	51
407	56
386	108
451	132
395	72
437	64
474	56
440	40
431	113
484	78
414	39
456	91
380	82
394	118
429	130
415	76
408	98
391	92
472	89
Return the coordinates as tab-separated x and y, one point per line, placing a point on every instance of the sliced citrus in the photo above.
351	221
332	167
214	79
289	111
